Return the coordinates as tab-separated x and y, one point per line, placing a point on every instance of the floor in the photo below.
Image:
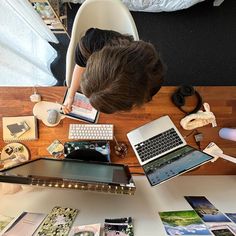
196	44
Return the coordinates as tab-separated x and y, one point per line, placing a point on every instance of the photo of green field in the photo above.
183	223
181	218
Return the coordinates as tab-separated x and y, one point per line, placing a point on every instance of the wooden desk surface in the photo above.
14	101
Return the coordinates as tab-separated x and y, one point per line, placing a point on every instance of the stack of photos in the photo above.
120	226
204	219
183	223
227	229
220	224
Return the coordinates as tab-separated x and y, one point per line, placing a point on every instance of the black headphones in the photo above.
178	98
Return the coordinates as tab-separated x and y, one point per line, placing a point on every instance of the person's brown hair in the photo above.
119	77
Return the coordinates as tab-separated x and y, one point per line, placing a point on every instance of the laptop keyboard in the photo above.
158	144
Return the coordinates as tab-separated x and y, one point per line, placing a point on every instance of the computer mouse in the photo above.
52	116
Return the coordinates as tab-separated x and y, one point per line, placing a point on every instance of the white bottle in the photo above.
228	133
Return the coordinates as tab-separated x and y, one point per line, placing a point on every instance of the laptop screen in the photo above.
174	163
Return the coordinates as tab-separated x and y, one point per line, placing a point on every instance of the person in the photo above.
114	72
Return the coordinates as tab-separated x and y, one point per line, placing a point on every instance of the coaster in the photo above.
13	154
41	109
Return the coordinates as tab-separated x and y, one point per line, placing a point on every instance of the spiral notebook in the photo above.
19	128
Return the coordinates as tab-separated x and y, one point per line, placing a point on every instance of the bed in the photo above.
153	5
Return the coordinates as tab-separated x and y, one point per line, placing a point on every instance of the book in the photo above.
19	128
25	224
58	222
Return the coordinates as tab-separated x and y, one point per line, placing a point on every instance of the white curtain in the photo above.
25	54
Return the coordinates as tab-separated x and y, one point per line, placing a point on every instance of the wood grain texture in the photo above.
14	101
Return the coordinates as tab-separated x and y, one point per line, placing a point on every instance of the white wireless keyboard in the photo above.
91	131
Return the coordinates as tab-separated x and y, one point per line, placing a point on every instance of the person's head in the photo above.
122	76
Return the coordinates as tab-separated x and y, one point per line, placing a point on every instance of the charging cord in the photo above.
198	137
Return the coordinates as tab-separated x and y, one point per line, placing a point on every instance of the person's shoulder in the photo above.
95	31
90	31
93	34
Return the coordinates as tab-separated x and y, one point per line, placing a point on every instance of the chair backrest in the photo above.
103	14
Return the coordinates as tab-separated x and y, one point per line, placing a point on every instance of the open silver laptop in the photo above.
162	151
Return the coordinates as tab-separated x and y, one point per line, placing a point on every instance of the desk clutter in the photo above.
62	221
86	163
160	148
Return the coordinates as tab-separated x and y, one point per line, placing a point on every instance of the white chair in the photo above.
103	14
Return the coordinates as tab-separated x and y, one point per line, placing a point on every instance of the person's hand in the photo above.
67	105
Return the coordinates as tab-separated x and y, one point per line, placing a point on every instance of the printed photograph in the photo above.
232	227
206	210
56	148
232	216
183	223
119	226
85	230
224	231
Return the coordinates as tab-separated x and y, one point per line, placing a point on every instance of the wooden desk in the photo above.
14	101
